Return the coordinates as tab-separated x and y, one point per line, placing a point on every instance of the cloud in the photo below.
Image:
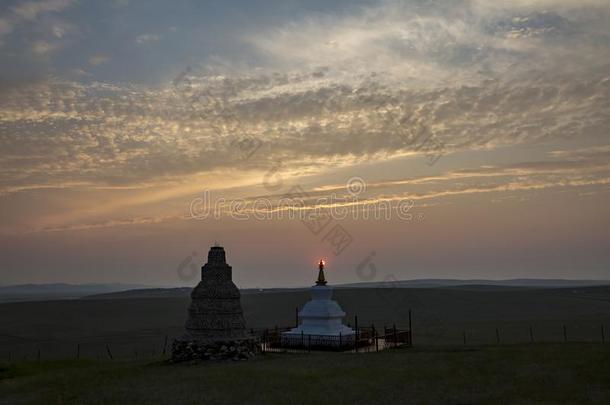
512	181
120	3
440	43
383	82
98	60
43	47
146	38
579	169
600	152
107	224
61	29
6	26
517	182
120	135
29	11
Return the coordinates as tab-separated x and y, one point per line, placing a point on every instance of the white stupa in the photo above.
321	317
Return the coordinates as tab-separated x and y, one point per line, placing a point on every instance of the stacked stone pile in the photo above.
215	328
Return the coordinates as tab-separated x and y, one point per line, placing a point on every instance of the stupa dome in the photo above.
321	315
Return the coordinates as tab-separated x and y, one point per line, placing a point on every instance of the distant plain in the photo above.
135	324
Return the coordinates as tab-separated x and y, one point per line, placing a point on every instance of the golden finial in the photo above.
321	279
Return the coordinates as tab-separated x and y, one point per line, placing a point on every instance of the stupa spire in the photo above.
321	279
321	317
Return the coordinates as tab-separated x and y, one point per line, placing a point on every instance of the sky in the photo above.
396	139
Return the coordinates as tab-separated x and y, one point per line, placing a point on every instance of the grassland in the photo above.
538	373
138	326
440	368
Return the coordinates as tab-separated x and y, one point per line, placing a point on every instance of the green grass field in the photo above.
539	373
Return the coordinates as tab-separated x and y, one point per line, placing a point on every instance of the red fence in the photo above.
366	339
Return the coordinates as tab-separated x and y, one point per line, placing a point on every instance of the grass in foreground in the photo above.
547	373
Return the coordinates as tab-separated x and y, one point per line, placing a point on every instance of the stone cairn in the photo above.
215	328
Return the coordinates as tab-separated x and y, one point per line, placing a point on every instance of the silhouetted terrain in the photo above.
516	282
476	284
37	292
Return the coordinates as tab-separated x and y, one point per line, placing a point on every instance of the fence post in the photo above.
309	343
340	341
603	334
531	334
296	317
109	353
565	334
356	335
266	337
410	330
497	336
165	345
376	341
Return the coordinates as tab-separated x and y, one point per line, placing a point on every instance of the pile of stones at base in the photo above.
223	350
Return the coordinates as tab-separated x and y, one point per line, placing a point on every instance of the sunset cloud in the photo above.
129	135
